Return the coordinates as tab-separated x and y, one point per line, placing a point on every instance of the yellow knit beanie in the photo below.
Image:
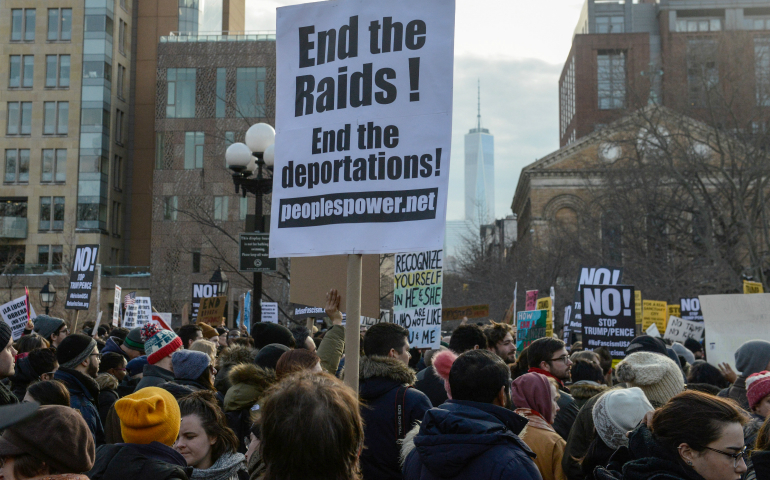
147	415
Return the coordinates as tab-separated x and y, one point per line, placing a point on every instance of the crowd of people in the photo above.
216	404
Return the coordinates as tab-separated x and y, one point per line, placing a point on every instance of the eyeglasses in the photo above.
97	355
736	456
564	359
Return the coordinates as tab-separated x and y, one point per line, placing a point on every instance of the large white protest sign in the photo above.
138	314
418	288
679	330
363	126
732	320
270	312
116	308
14	313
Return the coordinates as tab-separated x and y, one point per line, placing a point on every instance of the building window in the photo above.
122	26
21	71
221	92
567	97
115	220
189	14
51	214
229	138
611	79
50	256
16	166
180	101
23	24
756	23
54	166
57	71
193	150
612	243
196	261
19	118
244	204
220	208
56	118
250	92
119	121
115	258
762	70
160	150
121	81
699	25
610	24
60	24
117	170
170	206
702	70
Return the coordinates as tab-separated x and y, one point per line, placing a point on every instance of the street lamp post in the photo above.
220	279
244	159
47	296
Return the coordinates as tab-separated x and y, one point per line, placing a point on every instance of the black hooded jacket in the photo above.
128	461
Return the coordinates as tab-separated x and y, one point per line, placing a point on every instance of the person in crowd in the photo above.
576	347
535	398
249	383
616	413
384	381
194	370
683	353
48	392
206	347
159	345
206	442
605	361
297	360
79	360
428	381
758	463
500	341
266	333
474	434
302	338
134	374
549	357
40	364
695	347
27	343
657	375
54	444
189	334
586	355
693	436
210	333
751	357
112	371
103	332
702	372
228	358
268	356
332	346
521	366
295	415
120	332
149	424
758	393
222	340
130	348
232	335
51	328
587	379
243	341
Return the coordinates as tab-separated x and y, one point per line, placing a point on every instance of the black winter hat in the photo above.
74	349
268	356
646	343
265	333
693	345
5	334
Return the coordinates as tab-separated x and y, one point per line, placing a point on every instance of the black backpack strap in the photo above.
400	409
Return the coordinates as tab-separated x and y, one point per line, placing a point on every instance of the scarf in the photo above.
225	468
547	374
535	419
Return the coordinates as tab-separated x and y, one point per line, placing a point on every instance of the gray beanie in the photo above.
752	357
45	326
617	412
5	334
682	351
657	375
189	364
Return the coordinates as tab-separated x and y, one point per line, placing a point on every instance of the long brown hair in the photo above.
763	437
311	429
694	418
204	404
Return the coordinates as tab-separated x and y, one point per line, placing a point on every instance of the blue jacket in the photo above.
112	347
469	440
83	393
382	380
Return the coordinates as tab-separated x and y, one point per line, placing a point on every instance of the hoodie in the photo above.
23	376
463	440
230	357
249	382
112	346
129	461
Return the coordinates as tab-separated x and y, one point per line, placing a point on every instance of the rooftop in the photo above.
199	37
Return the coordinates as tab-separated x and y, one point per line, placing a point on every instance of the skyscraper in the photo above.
479	173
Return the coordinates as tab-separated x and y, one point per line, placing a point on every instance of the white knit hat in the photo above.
657	375
617	412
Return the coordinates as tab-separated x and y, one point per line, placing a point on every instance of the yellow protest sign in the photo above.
654	313
674	310
638	306
752	287
212	310
545	304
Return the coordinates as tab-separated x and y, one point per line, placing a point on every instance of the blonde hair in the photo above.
206	347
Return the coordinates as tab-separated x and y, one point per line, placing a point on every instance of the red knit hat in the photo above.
757	387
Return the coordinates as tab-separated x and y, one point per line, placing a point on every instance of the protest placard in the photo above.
162	319
305	311
212	309
679	330
690	309
609	318
418	288
202	290
363	126
81	278
530	300
116	308
270	312
591	276
567	314
14	314
139	313
530	325
639	307
546	304
732	320
752	287
654	312
470	311
673	311
652	331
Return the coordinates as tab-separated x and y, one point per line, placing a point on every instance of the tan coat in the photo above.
547	444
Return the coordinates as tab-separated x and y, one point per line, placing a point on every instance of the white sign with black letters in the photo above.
363	126
679	330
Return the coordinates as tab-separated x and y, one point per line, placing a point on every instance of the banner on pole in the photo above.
81	278
139	313
530	300
418	287
116	307
363	126
16	314
609	318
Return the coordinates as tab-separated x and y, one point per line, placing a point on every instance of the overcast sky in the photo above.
517	50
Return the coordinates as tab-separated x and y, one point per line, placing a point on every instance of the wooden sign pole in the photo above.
353	321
